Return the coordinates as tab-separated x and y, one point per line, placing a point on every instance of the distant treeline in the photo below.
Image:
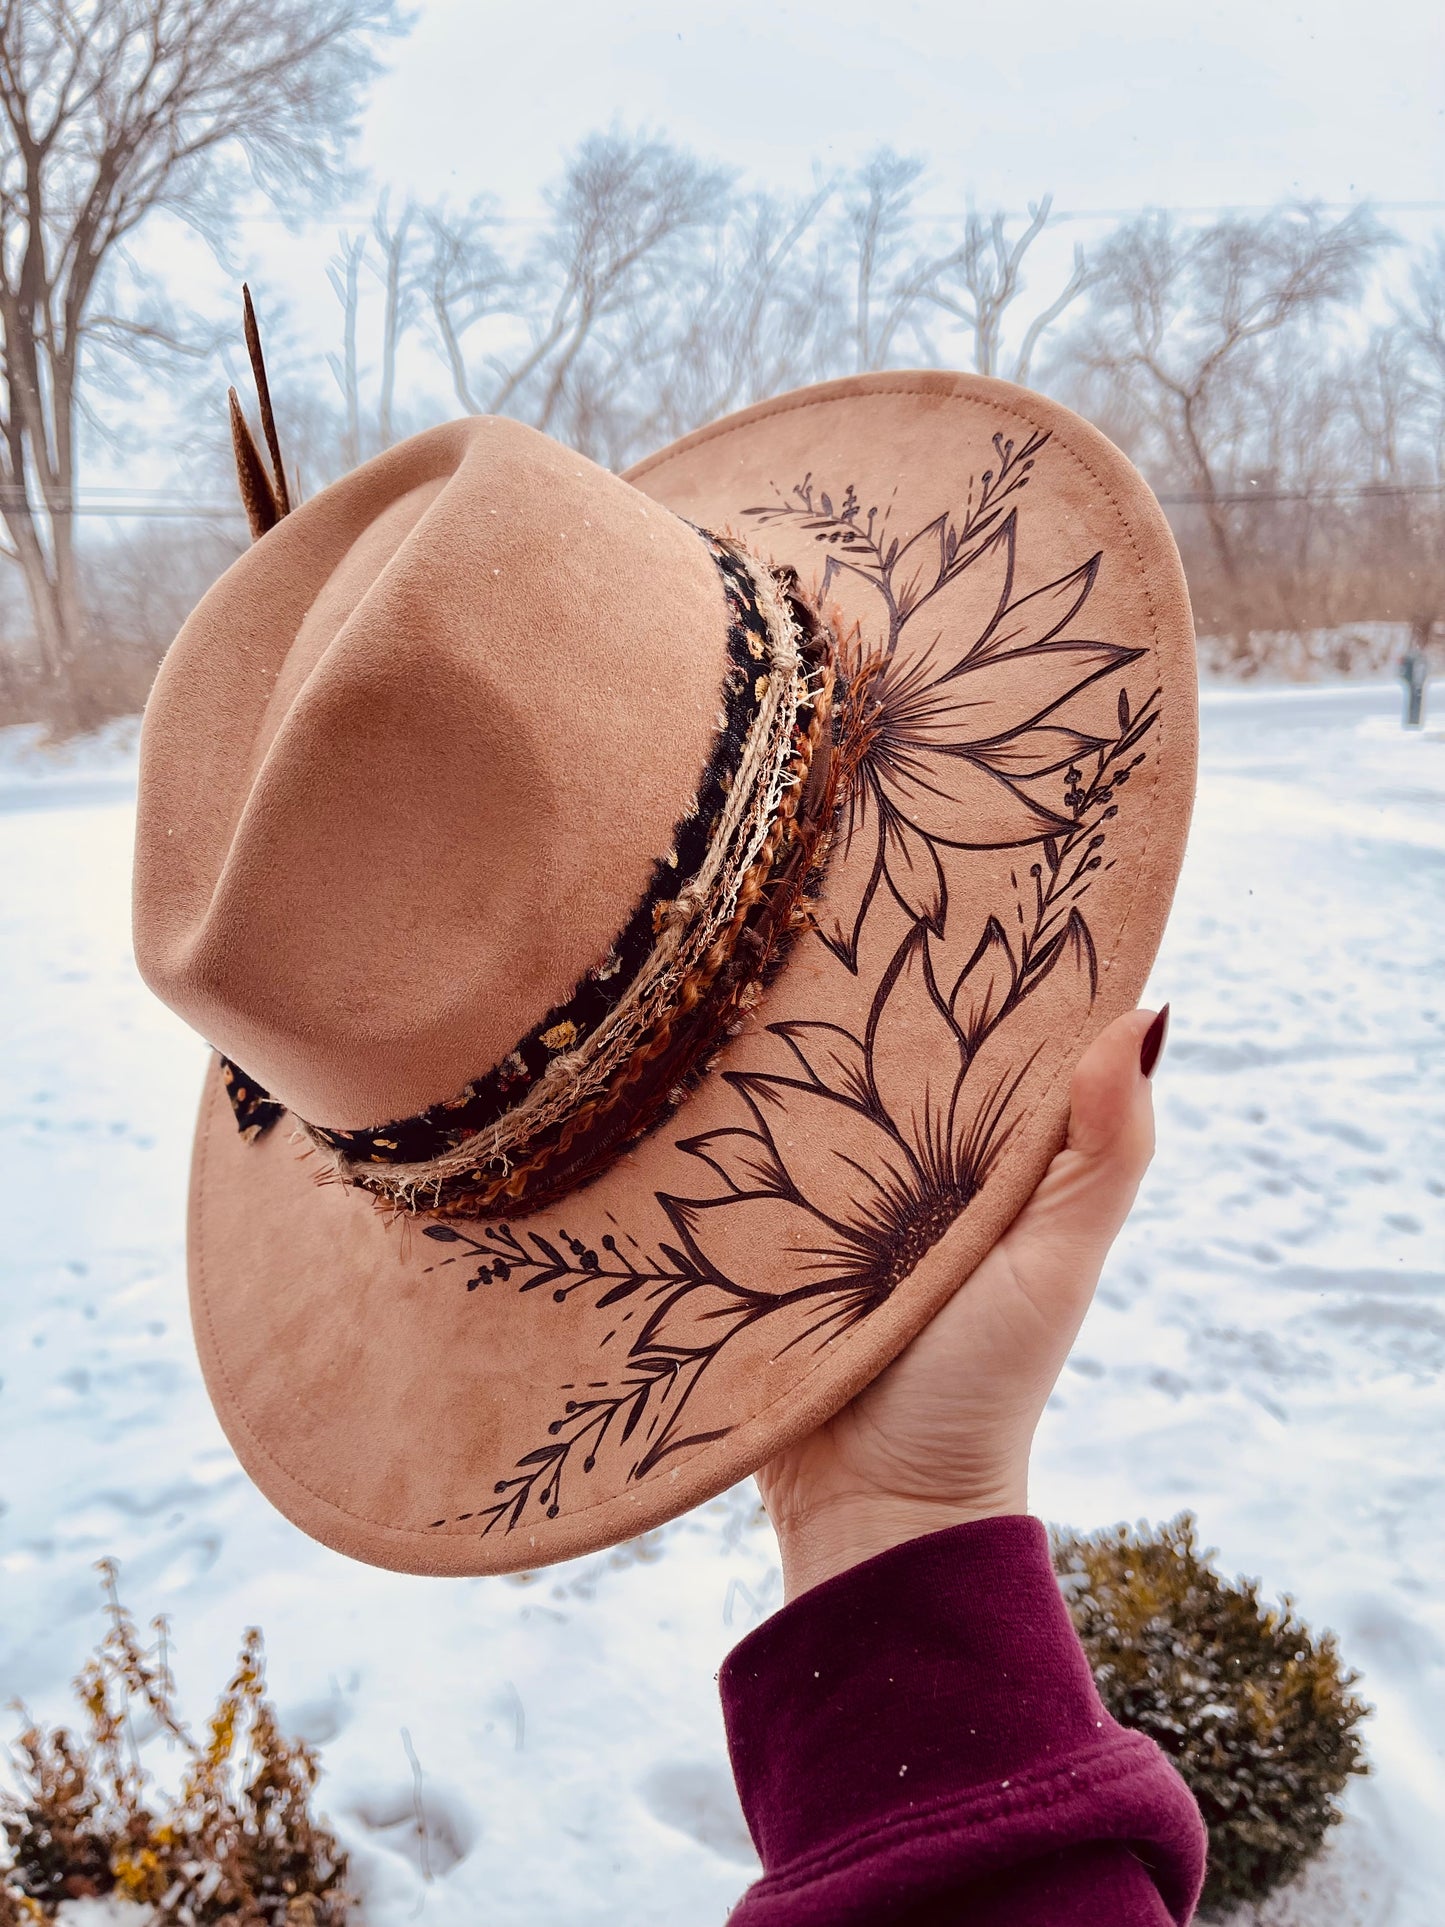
1279	376
1299	447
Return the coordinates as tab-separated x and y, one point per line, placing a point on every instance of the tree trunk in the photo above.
1235	600
67	592
41	592
52	588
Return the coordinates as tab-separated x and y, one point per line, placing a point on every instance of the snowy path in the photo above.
1267	1349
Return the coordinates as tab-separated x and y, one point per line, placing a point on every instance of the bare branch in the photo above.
1190	356
1077	282
982	279
400	303
623	220
880	221
344	274
109	114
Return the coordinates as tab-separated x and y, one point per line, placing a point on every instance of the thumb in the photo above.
1085	1195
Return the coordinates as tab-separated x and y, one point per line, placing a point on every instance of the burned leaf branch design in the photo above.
906	571
853	1156
979	744
562	1265
853	1225
680	1337
1061	877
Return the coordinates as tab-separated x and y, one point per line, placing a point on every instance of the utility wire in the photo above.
364	215
125	507
1366	492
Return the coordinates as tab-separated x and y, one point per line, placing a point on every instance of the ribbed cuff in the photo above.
928	1718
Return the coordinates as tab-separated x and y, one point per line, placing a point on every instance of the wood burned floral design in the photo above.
968	744
853	1153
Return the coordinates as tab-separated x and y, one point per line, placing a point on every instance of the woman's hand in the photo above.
943	1435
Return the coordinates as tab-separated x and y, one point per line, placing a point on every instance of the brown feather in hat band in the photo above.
265	496
608	1064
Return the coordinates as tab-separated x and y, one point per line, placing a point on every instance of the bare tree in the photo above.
1415	400
623	216
892	273
344	274
657	296
974	280
1420	320
984	277
465	281
763	312
395	269
621	237
1356	530
1178	327
112	111
1292	507
398	304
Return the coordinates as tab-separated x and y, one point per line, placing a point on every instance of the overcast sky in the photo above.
1109	104
1108	107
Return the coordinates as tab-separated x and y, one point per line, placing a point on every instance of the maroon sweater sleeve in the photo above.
919	1740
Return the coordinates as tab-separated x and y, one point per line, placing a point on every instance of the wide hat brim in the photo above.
482	1396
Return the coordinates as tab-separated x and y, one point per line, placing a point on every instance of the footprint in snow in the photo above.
697	1798
428	1826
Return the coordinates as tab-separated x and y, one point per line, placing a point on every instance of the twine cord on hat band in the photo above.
605	1066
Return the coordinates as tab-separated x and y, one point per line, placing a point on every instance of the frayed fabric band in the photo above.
616	1057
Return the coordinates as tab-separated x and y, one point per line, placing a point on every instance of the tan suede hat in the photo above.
647	926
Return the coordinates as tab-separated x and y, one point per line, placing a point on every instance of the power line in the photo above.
116	503
1366	492
364	215
1243	207
127	511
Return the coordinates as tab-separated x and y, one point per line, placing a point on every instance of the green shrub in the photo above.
237	1846
1254	1710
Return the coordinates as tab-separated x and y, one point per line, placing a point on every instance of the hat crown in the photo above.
408	766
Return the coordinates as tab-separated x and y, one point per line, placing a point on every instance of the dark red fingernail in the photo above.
1154	1042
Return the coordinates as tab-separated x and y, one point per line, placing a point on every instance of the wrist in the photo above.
824	1540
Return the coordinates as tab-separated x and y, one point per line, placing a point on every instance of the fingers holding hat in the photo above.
1057	1245
1111	1111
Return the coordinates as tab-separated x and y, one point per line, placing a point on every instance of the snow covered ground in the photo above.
1266	1349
